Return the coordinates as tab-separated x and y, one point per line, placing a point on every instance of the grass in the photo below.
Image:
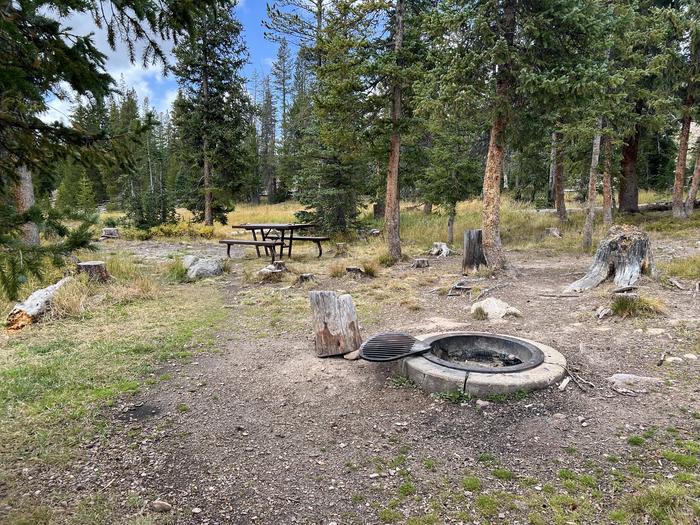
637	306
668	503
685	268
479	314
57	377
682	460
471	483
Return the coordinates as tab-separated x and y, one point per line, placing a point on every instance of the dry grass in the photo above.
336	269
686	268
637	306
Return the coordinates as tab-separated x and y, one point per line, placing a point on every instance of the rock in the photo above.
495	308
553	232
602	312
352	356
674	360
203	268
196	510
482	403
189	260
161	506
109	233
692	357
633	382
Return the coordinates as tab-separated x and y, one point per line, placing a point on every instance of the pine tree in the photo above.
282	78
268	142
213	112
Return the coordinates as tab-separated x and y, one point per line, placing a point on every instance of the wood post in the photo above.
95	270
473	256
336	329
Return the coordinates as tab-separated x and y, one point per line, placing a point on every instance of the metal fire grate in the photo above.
391	347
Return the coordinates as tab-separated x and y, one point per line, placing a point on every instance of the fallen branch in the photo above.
489	290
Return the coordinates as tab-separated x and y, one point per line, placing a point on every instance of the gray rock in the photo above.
633	382
189	260
203	268
674	360
495	308
161	506
692	357
482	403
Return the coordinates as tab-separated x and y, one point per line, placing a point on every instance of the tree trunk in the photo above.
491	214
335	324
624	253
379	209
208	215
451	224
473	256
681	160
428	208
558	182
36	305
95	270
629	189
694	183
24	200
592	192
392	213
552	169
607	184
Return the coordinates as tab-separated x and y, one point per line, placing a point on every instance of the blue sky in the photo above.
149	82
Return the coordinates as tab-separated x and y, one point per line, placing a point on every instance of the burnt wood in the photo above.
473	256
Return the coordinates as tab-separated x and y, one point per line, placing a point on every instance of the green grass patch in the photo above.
471	483
685	268
503	474
637	306
682	460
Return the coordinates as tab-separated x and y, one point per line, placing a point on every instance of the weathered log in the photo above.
420	263
336	329
36	305
341	249
440	249
473	256
95	270
625	253
109	233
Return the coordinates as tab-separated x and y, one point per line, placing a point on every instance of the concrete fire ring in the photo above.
433	377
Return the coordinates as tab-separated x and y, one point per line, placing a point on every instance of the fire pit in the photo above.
482	364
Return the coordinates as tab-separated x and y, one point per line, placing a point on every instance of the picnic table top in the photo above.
276	226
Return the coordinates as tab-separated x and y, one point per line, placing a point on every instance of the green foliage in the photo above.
635	306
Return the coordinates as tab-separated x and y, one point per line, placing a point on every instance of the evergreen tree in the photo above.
268	142
213	112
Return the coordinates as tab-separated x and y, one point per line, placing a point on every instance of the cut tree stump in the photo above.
336	330
95	270
36	305
473	256
625	253
109	233
341	249
305	278
355	271
421	263
440	249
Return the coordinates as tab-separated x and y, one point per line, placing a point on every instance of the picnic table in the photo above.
274	235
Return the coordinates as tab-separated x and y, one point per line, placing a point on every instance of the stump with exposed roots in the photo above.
624	254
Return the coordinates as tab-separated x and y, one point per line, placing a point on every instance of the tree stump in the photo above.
625	253
440	249
305	278
95	270
341	249
36	305
355	271
473	256
109	233
280	266
421	263
336	329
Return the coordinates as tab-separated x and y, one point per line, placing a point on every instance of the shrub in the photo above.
370	268
337	269
176	272
385	259
480	314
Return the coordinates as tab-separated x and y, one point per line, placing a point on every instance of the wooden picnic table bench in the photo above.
277	233
268	245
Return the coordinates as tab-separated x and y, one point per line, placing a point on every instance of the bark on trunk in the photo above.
607	184
208	215
451	224
392	213
592	183
552	170
95	270
558	182
24	200
694	183
473	256
681	160
629	189
335	324
491	214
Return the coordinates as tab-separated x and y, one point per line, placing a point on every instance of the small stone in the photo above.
373	475
502	515
196	510
352	356
674	360
581	419
482	403
558	415
584	424
161	506
692	357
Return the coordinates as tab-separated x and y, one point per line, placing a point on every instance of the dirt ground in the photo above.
258	430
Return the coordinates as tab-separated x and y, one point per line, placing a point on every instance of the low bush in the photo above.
371	268
637	306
